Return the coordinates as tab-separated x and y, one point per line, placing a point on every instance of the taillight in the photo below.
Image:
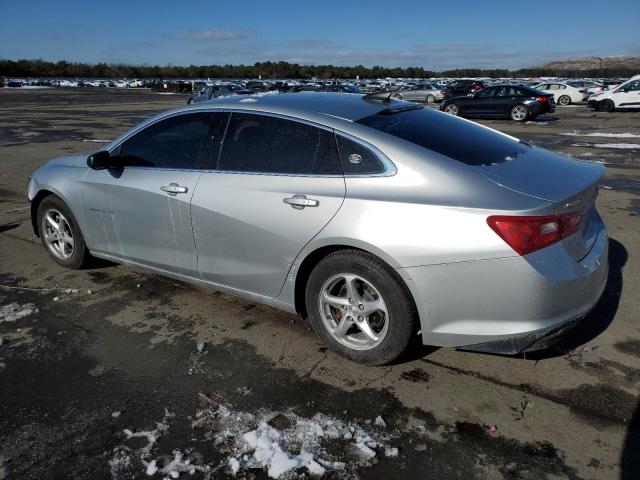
443	92
528	234
542	99
582	91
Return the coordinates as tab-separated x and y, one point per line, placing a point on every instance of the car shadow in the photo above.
8	226
630	458
544	119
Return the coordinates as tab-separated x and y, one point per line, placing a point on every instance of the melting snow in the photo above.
283	444
14	311
608	145
95	140
599	134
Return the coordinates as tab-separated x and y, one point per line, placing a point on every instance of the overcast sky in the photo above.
435	35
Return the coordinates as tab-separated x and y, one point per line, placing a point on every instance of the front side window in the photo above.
265	144
486	92
632	86
176	142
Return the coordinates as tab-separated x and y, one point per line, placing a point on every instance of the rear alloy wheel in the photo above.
397	96
452	109
564	100
431	99
606	106
519	113
360	308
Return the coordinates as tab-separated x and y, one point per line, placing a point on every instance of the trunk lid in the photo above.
571	185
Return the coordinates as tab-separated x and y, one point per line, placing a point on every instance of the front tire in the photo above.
397	96
60	233
360	308
606	106
452	109
519	113
564	100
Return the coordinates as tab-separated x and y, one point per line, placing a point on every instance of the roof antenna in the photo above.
383	96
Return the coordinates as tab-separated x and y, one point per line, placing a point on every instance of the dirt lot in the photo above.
100	380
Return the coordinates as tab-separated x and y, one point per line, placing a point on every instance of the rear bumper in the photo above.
508	305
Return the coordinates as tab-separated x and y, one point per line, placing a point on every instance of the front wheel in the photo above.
452	109
519	113
564	100
359	306
60	233
606	106
397	96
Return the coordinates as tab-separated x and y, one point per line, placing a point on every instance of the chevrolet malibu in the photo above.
377	219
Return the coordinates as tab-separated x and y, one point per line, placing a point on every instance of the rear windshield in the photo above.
463	141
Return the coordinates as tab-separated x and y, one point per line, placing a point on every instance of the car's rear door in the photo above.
506	97
141	212
274	185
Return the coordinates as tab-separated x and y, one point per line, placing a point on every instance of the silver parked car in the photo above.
421	92
378	219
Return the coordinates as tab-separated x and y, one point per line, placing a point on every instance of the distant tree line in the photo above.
281	70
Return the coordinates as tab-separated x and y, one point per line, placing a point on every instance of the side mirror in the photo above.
102	160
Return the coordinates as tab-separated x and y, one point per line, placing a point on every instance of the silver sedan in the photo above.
377	219
422	92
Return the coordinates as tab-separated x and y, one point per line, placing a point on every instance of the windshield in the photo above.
458	139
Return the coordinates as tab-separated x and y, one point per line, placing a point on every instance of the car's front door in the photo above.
481	103
276	184
628	95
141	212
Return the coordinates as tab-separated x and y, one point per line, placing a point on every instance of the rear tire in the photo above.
606	106
64	243
378	300
431	99
564	100
397	96
519	113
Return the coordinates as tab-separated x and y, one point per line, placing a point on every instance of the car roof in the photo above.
346	106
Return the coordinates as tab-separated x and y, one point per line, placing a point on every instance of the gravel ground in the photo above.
101	375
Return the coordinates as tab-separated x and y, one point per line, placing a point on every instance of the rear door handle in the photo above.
300	201
174	189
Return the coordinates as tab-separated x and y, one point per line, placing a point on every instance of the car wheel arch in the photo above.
35	204
313	257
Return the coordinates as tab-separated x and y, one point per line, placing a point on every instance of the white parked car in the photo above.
624	96
588	85
563	93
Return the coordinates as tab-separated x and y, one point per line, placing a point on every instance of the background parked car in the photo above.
462	87
421	92
624	96
256	86
588	85
563	93
517	102
215	91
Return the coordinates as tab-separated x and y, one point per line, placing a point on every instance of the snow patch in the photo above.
95	140
14	311
621	146
283	442
600	134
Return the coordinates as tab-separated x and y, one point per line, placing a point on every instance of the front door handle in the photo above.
300	201
174	189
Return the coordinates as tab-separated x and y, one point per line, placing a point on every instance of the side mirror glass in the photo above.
102	160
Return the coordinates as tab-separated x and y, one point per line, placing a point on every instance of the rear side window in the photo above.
264	144
458	139
356	159
177	142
